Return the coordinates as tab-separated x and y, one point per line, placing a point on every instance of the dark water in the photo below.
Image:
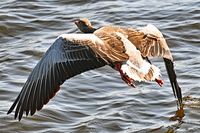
98	101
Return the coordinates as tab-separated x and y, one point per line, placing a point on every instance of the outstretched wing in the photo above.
150	41
63	60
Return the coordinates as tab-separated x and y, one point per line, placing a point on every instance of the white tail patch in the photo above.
143	67
131	72
139	74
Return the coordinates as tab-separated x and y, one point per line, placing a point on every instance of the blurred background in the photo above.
98	100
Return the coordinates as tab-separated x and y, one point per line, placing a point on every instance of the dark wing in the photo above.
63	60
173	80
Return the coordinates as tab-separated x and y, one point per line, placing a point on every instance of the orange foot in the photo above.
124	76
127	79
160	82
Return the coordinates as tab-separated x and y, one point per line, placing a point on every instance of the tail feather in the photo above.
140	74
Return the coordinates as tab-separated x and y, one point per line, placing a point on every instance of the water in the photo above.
98	101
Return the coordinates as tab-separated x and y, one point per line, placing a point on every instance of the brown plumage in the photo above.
149	40
151	43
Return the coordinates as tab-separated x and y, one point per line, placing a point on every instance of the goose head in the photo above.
84	25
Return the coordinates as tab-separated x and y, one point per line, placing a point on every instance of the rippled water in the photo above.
97	100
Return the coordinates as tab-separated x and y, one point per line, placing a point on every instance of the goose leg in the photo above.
124	76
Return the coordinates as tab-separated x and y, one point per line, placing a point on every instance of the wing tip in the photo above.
12	107
9	111
173	80
16	113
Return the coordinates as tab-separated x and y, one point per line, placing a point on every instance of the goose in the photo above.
148	40
72	54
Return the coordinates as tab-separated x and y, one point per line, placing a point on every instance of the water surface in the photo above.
98	100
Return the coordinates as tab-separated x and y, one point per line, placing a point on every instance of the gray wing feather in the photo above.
63	60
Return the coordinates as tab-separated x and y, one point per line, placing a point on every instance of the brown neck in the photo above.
87	29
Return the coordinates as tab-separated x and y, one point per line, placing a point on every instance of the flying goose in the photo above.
148	40
72	54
